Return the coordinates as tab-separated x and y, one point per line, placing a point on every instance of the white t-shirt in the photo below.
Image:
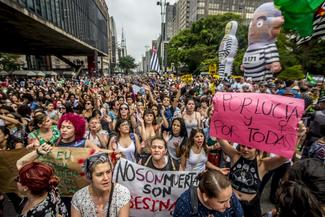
196	162
83	202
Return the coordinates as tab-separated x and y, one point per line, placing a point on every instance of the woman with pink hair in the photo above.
73	128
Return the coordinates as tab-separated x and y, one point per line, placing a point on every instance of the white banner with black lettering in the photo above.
153	192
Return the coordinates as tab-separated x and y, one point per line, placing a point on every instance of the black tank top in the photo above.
170	166
75	144
244	176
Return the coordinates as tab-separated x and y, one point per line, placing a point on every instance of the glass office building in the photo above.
84	19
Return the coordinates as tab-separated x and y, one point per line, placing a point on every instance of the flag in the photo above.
154	62
310	79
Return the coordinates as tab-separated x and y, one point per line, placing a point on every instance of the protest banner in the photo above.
264	121
8	169
136	89
188	78
67	163
153	193
212	69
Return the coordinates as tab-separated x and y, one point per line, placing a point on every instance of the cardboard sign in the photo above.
136	89
66	162
8	169
153	193
188	78
264	121
212	69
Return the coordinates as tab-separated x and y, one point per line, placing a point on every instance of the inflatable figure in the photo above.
261	58
318	26
228	49
299	14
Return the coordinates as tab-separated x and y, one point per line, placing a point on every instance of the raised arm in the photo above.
30	157
272	163
178	95
228	149
152	99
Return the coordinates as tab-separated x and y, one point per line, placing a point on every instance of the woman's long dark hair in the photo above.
183	131
190	142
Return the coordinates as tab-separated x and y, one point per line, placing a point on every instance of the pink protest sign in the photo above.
264	121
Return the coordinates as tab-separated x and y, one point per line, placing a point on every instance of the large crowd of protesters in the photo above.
162	123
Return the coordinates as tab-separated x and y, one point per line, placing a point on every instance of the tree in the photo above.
127	63
197	47
9	62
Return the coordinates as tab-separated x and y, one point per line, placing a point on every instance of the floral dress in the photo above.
52	206
55	136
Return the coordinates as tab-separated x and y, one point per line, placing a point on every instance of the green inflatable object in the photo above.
298	14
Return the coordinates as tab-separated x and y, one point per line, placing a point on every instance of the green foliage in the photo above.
8	62
292	73
197	47
127	63
311	56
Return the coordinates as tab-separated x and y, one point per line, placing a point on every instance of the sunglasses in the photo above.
124	108
17	179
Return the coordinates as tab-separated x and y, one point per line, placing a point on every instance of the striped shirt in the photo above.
318	30
227	51
256	59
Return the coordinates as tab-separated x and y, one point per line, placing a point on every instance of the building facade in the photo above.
84	19
202	8
184	15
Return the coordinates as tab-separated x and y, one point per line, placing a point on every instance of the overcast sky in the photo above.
140	20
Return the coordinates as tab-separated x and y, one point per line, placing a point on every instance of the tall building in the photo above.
113	46
170	17
123	45
202	8
183	14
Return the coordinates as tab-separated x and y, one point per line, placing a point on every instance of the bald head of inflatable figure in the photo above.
265	25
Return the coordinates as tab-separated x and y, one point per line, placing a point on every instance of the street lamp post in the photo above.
163	5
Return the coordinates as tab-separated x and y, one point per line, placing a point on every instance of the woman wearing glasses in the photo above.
88	111
37	181
124	113
101	198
